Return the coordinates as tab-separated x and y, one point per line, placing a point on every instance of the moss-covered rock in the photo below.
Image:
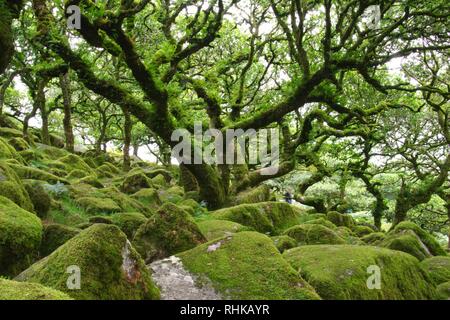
27	172
76	174
128	222
8	152
39	197
10	133
444	291
340	219
14	290
107	170
284	243
110	267
170	230
362	231
407	241
438	268
20	237
255	195
132	183
322	222
125	202
313	234
12	187
72	161
159	180
100	219
427	239
213	229
342	272
149	197
374	238
271	217
91	180
55	235
247	265
173	195
98	205
19	144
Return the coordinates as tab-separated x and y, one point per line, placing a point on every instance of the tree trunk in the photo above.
64	81
127	127
44	131
135	149
38	102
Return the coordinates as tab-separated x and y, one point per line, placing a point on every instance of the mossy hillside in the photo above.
340	219
313	234
407	241
20	237
438	267
284	243
431	243
128	222
247	265
14	290
265	217
110	267
340	272
94	205
213	229
170	230
444	291
55	235
12	187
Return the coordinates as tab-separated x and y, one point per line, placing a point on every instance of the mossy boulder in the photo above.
8	152
284	243
213	229
374	238
341	272
407	241
173	195
19	144
110	268
91	180
55	235
426	238
322	222
72	161
444	291
107	170
149	197
340	219
128	222
313	234
255	195
98	205
247	266
159	180
170	230
265	217
12	187
438	268
125	202
39	197
132	183
14	290
27	172
362	231
76	174
20	237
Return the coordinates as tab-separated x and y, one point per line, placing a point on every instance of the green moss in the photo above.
149	197
98	205
107	170
76	174
312	216
438	268
322	222
91	180
55	235
313	234
26	172
340	219
255	195
362	231
213	229
10	133
78	190
132	183
374	238
19	144
12	187
284	243
72	161
20	237
271	217
110	267
39	197
341	272
407	241
53	152
125	202
431	243
444	291
173	195
170	230
128	222
159	180
14	290
8	152
247	265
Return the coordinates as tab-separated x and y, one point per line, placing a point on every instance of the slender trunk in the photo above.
45	132
128	125
448	215
135	149
38	102
64	81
